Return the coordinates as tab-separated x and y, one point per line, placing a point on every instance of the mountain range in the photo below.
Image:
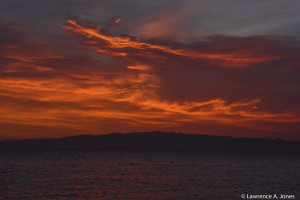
156	141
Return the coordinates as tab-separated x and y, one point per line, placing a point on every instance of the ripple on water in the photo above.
145	175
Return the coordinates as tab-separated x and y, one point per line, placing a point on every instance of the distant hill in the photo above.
155	141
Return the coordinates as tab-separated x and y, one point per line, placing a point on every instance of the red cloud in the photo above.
124	45
142	85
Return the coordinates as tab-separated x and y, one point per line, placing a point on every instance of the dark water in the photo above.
145	175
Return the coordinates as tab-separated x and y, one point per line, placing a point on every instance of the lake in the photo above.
146	175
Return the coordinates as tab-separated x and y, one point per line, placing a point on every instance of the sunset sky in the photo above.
70	67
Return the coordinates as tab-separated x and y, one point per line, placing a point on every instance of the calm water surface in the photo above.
145	175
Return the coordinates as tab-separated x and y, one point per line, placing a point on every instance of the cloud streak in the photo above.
124	45
122	84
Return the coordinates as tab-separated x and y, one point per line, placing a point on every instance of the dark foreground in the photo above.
156	141
145	175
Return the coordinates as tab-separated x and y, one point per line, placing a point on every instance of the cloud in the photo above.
215	51
122	84
139	67
165	25
116	20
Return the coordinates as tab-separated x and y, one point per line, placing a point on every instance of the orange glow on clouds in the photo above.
46	90
139	67
118	45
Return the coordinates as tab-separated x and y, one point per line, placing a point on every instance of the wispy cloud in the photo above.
211	51
136	85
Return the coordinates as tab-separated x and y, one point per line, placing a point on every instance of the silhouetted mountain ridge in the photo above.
155	141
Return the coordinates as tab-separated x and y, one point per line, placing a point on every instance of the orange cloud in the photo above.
117	20
120	46
139	67
64	103
44	89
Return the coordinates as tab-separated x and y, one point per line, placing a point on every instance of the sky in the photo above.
202	67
